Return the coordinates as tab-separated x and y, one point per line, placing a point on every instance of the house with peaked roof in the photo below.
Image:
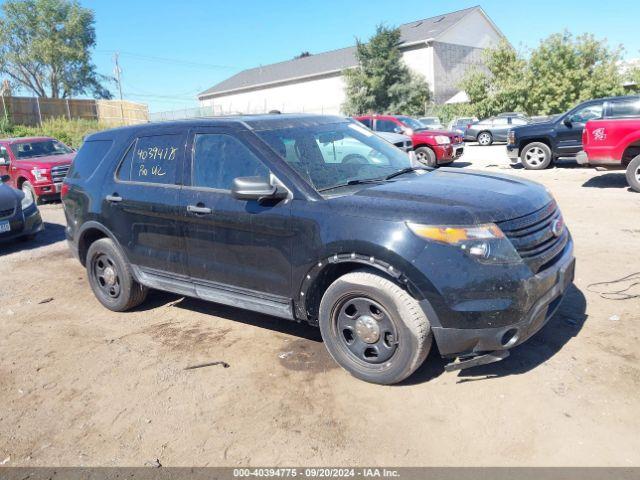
440	48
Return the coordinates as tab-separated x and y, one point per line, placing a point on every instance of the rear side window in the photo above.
89	157
626	108
366	122
219	158
154	159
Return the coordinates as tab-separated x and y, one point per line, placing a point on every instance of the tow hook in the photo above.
490	357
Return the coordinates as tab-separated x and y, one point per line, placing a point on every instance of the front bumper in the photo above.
448	153
48	190
544	290
582	158
23	224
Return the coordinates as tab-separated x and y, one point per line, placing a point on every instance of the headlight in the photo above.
27	201
486	243
39	173
442	139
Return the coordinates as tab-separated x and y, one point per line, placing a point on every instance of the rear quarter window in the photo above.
88	158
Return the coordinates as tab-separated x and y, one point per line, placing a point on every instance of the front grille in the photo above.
533	238
59	173
7	213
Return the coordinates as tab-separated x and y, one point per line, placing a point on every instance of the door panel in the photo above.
238	244
141	204
569	137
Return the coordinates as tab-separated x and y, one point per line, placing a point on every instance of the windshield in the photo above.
40	148
334	154
411	122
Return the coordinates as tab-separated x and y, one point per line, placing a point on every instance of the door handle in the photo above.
115	198
198	210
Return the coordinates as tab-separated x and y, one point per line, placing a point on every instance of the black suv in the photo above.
316	219
537	145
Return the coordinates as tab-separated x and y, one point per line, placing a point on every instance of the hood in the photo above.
535	127
426	131
48	161
393	137
448	196
9	197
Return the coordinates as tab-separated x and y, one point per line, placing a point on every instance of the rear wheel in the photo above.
536	156
426	156
373	328
485	139
111	279
633	174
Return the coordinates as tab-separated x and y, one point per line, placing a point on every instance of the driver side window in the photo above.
387	126
587	113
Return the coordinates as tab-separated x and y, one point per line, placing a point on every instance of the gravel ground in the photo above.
80	385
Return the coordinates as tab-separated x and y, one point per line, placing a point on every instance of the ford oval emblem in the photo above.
557	226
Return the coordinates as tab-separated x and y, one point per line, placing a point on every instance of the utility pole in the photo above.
117	72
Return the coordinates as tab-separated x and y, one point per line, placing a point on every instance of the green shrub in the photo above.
71	132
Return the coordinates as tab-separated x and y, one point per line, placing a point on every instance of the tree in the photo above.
381	82
45	48
561	72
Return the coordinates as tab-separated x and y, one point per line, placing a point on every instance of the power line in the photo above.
175	61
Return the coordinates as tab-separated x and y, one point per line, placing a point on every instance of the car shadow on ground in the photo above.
562	327
53	233
281	325
608	180
458	164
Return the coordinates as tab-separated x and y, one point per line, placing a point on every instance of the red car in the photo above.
614	144
432	147
36	165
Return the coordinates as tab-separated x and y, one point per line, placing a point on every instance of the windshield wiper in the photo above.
353	182
403	171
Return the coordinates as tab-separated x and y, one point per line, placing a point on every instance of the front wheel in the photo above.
485	139
633	174
536	156
426	156
373	328
111	279
30	192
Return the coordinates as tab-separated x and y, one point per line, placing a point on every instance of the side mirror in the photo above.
567	121
4	178
256	188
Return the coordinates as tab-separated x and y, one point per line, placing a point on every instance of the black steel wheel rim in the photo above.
365	330
106	275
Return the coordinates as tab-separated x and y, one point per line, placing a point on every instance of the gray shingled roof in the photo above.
332	61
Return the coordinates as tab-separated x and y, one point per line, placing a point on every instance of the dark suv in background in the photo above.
316	219
538	145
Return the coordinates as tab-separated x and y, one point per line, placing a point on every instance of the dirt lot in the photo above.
80	385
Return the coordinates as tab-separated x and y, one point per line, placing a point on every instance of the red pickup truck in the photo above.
36	165
432	147
614	144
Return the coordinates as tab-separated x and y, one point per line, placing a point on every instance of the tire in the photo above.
536	156
360	304
111	279
633	174
426	156
485	139
28	189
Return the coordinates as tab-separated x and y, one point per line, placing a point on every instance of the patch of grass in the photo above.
70	132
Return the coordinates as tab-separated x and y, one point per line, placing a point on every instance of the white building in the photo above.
440	48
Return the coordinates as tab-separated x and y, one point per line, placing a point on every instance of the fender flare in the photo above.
309	281
94	225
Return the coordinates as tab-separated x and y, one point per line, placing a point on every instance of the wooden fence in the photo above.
33	110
